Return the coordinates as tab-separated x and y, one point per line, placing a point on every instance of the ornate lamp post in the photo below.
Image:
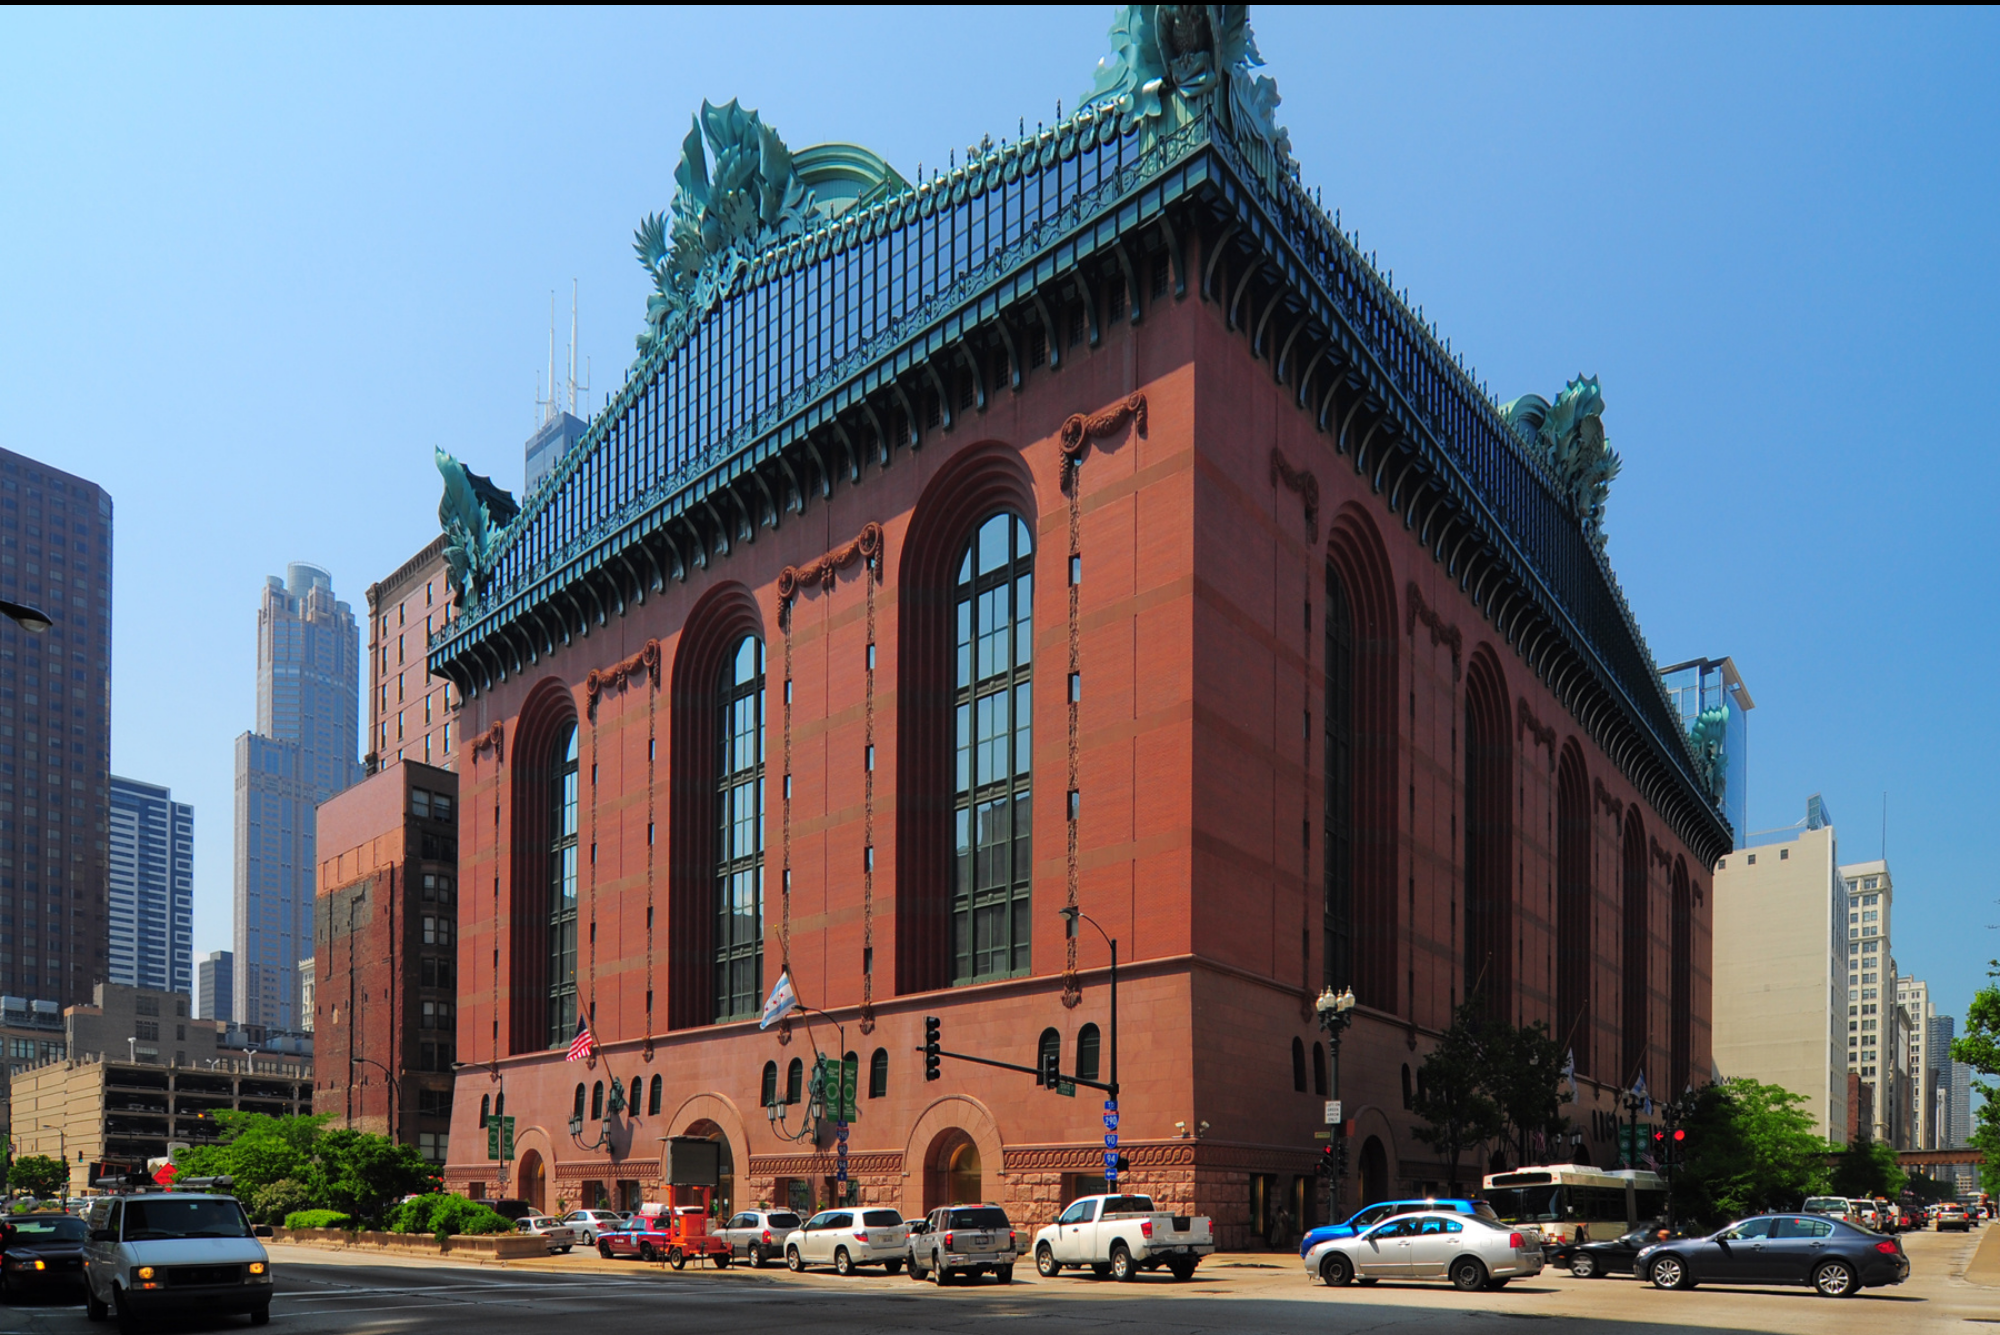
1634	1100
1336	1013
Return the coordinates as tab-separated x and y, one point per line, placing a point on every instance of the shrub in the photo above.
273	1202
445	1215
318	1219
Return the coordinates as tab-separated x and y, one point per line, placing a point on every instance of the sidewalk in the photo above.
582	1263
1984	1267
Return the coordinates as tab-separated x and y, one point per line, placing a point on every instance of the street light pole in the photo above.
1336	1013
395	1093
1070	916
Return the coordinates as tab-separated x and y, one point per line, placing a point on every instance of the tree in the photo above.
1928	1190
1868	1168
284	1164
1750	1147
1451	1098
39	1175
1523	1076
1980	1049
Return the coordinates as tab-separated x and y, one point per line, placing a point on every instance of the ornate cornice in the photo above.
867	545
1525	721
1303	483
1661	855
1614	805
821	1163
1442	631
614	678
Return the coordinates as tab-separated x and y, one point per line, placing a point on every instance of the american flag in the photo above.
583	1044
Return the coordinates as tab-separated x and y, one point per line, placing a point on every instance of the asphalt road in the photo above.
318	1293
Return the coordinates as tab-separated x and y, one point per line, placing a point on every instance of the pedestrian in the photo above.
1281	1229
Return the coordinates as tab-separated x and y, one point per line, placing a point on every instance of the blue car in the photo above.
1374	1214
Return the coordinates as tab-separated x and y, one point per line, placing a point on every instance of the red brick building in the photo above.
409	711
1087	527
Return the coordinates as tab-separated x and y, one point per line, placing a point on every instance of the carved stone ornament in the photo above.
1303	483
1614	805
1705	739
494	739
613	678
1527	722
822	571
472	531
1660	855
1442	632
1569	436
1169	61
1079	429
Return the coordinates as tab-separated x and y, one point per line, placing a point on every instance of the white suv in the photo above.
848	1238
156	1254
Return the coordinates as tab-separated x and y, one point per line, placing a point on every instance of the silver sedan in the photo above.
1471	1252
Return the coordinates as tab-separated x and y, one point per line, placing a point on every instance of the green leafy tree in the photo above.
1928	1190
1980	1049
1523	1076
1750	1147
286	1164
1451	1100
1868	1168
39	1175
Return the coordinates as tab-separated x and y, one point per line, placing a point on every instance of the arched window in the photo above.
597	1101
993	810
878	1074
485	1110
1680	979
739	867
500	1104
562	890
1637	933
1050	1045
1573	908
1319	1069
658	1087
1409	1098
795	1081
576	1105
768	1091
1339	908
1087	1044
1489	838
1299	1065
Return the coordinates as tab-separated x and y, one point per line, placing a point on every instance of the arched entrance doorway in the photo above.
953	1175
1374	1171
725	1189
534	1176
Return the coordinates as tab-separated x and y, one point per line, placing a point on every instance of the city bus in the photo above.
1571	1203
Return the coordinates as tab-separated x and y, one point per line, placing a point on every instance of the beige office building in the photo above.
1781	970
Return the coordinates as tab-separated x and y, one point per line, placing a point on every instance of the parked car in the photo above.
1376	1213
560	1236
1835	1207
847	1238
1613	1256
41	1252
589	1223
162	1254
963	1241
1833	1256
647	1236
1121	1235
1951	1216
1470	1251
758	1236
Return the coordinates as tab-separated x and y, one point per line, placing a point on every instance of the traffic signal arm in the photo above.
1026	1070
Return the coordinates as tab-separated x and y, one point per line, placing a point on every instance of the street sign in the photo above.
1333	1112
1110	1142
1066	1088
1322	1135
165	1177
840	1130
1111	1121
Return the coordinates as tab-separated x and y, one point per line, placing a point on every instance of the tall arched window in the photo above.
1319	1069
1299	1065
485	1109
768	1091
653	1098
739	866
1637	933
576	1105
1088	1042
1573	903
1680	979
562	890
1489	838
597	1101
1339	908
500	1104
878	1074
992	871
795	1081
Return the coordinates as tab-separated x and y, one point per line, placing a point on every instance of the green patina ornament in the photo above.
1569	434
474	515
1166	61
1705	737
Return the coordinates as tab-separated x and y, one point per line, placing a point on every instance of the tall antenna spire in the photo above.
552	405
572	347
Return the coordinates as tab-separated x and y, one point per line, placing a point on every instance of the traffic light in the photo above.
933	1042
1051	1069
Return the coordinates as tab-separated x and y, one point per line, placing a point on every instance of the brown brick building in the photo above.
409	711
1088	527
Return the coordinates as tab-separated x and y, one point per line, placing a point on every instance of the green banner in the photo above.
850	1086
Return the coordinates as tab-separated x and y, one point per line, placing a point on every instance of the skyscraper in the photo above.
55	730
1871	994
151	888
215	979
303	752
1913	995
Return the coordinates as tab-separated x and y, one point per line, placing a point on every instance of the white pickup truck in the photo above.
1121	1235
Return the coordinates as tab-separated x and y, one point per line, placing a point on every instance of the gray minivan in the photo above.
156	1254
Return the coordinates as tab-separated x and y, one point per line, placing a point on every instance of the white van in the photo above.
175	1252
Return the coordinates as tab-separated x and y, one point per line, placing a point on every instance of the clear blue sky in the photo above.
254	265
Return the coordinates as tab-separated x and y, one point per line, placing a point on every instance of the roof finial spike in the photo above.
1058	110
